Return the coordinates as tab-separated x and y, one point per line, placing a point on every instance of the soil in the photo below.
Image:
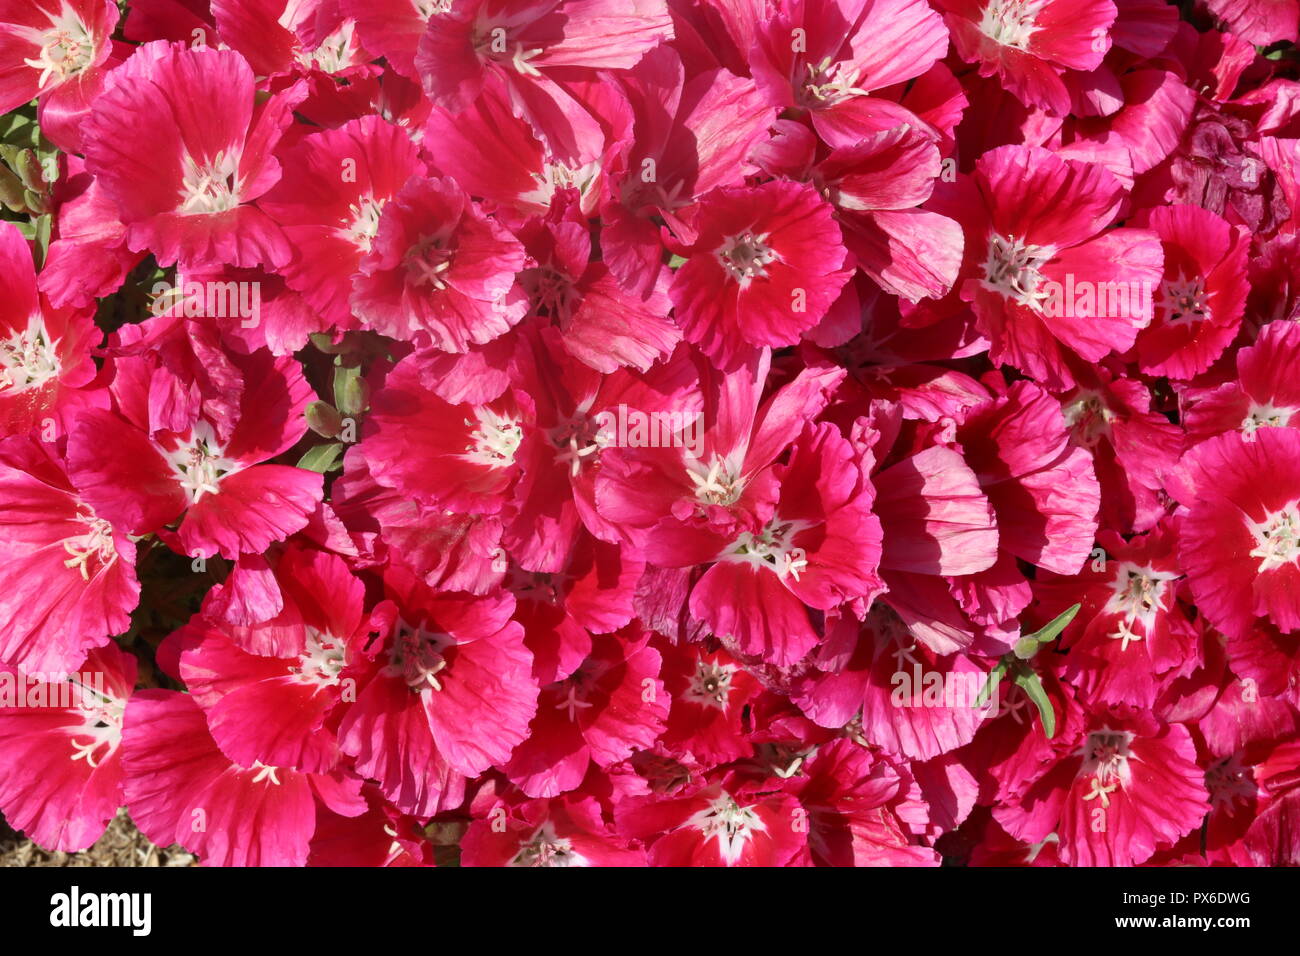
121	845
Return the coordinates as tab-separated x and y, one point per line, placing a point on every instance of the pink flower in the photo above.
439	271
1131	787
1045	273
72	581
567	832
1201	298
834	57
330	205
1238	540
57	50
60	745
1028	44
143	478
448	693
764	266
1264	394
185	180
182	789
719	825
44	350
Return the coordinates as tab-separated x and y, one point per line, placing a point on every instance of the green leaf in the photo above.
995	676
322	458
1056	625
1028	681
676	262
351	392
1028	645
19	129
42	238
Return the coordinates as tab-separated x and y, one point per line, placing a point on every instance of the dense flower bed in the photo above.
669	432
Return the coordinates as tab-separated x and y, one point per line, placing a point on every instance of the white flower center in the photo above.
1011	22
1138	592
199	464
545	848
95	542
211	187
1088	418
417	656
334	53
1105	759
67	47
772	548
716	483
827	83
1184	301
265	773
746	256
1277	538
1012	269
577	440
710	685
29	358
322	659
363	223
731	824
102	724
1266	415
495	440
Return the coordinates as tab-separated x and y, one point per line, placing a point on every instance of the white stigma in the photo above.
96	542
212	187
716	483
1011	22
1011	268
1106	756
731	824
322	659
827	83
545	848
198	463
362	224
495	440
1277	538
29	358
1184	301
1266	415
67	47
710	685
746	256
1138	592
772	548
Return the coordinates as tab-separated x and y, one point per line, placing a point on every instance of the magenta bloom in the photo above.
1047	277
184	179
447	694
72	582
60	747
1131	786
1028	44
765	265
182	789
144	478
44	350
331	218
1202	295
1239	541
439	272
57	50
